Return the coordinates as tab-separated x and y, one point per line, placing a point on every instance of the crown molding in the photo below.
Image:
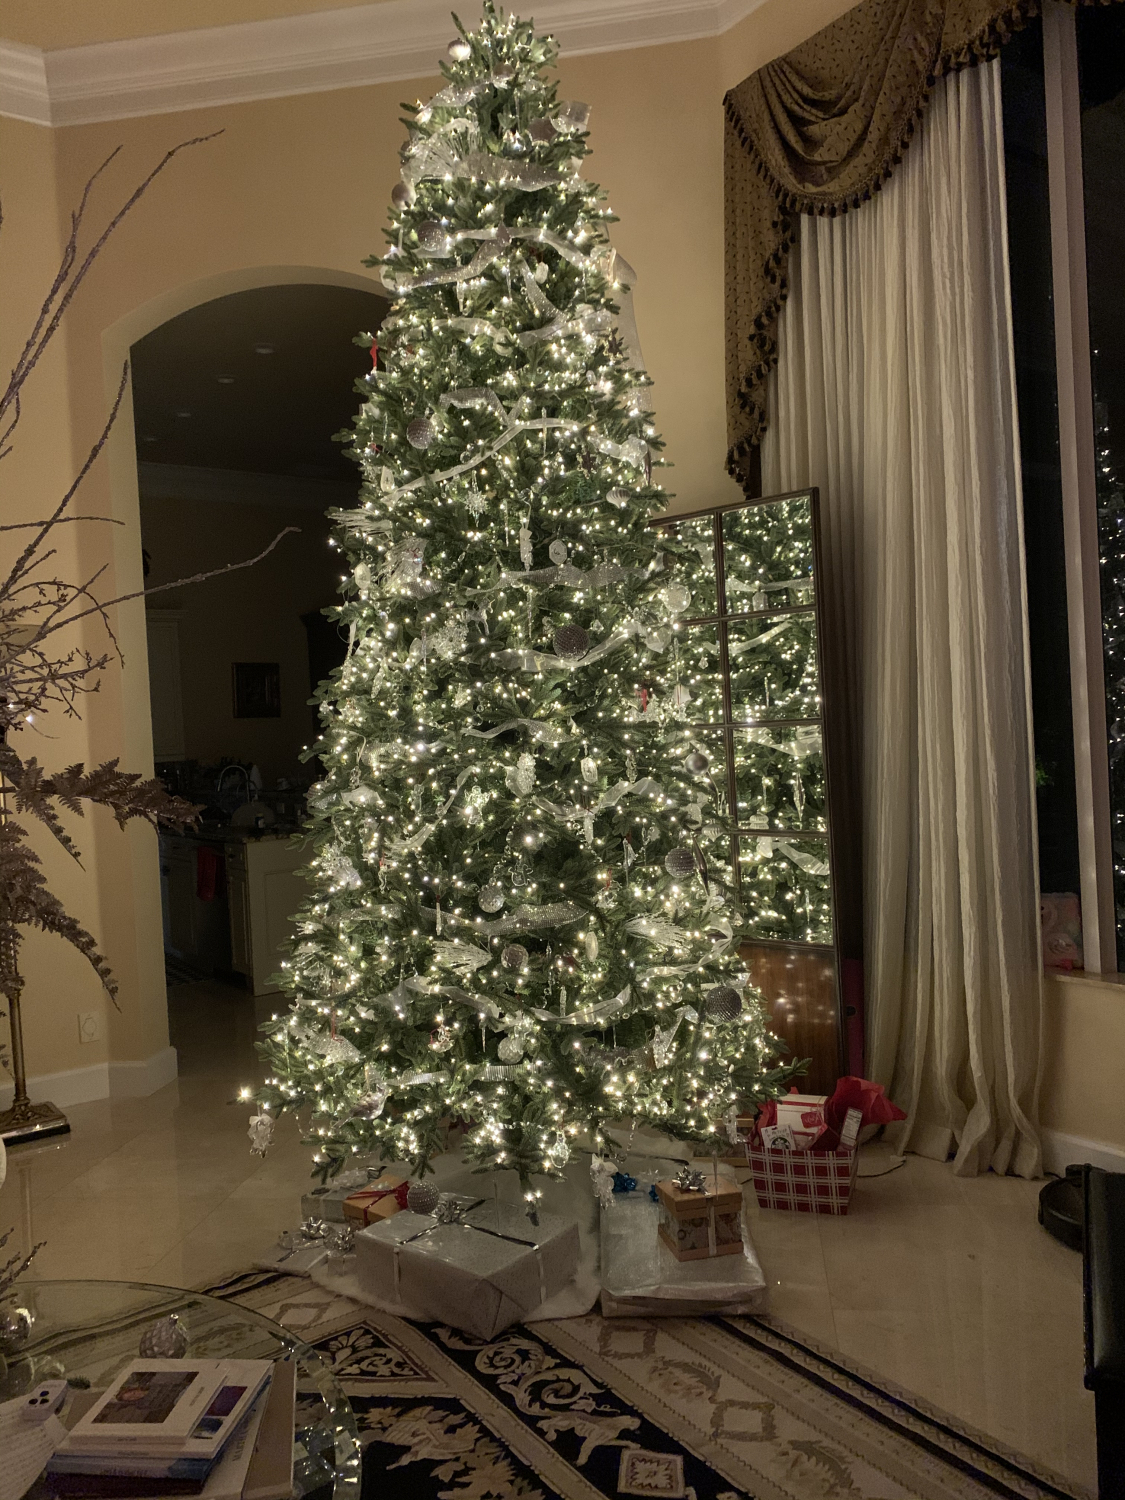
23	84
305	54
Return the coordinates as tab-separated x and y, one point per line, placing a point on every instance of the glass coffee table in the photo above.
85	1331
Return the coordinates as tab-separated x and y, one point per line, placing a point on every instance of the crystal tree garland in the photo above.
494	930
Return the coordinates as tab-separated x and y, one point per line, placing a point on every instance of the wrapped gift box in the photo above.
811	1182
696	1225
481	1274
642	1277
376	1200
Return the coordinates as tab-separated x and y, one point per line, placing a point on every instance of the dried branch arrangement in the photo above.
41	672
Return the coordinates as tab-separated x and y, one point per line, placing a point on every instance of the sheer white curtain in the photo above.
895	393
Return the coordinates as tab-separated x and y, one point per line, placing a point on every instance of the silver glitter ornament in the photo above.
402	195
722	1003
697	762
459	49
422	1198
16	1324
420	433
571	642
491	898
541	272
557	552
514	956
164	1339
432	237
680	863
607	900
525	774
511	1049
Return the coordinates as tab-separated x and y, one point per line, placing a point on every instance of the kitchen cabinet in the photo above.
265	888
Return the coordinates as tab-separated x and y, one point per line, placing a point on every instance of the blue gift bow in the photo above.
623	1183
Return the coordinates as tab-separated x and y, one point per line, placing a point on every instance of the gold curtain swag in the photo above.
818	131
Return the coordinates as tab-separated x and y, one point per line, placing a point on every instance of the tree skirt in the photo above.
589	1409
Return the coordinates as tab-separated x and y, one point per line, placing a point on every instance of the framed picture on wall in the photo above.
257	689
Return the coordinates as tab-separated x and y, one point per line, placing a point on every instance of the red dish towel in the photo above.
210	869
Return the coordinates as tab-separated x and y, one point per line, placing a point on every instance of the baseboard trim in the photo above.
105	1080
1061	1151
136	1080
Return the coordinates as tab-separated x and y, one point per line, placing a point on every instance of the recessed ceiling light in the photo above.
225	379
264	349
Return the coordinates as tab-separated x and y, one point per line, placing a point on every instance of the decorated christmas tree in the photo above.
522	914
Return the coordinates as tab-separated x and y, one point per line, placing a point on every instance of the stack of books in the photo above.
218	1428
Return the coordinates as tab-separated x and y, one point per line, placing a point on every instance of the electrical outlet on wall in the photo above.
89	1026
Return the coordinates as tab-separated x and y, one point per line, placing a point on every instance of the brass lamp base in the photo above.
31	1122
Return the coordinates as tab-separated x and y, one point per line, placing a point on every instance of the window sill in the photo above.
1079	976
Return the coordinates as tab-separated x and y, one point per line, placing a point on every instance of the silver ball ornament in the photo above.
697	762
16	1324
511	1049
680	863
432	237
675	598
723	1003
571	642
420	433
403	195
459	49
491	897
422	1198
514	956
557	552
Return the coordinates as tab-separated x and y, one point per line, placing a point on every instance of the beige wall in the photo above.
58	982
251	615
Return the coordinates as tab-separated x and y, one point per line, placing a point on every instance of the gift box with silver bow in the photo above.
700	1215
480	1275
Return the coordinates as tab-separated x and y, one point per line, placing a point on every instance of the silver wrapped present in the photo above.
641	1277
480	1275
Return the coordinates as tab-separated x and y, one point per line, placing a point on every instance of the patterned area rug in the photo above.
591	1409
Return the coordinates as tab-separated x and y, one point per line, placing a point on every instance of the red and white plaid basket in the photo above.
806	1182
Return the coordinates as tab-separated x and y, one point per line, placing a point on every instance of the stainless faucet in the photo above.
245	775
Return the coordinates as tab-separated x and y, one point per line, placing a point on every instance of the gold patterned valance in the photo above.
817	132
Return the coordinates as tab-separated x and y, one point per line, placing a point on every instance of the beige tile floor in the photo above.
944	1285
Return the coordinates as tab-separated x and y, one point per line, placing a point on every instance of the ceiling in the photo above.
257	381
50	24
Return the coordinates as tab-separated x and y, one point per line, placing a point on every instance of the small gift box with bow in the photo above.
376	1201
700	1215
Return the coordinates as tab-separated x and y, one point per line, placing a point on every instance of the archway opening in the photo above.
236	402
